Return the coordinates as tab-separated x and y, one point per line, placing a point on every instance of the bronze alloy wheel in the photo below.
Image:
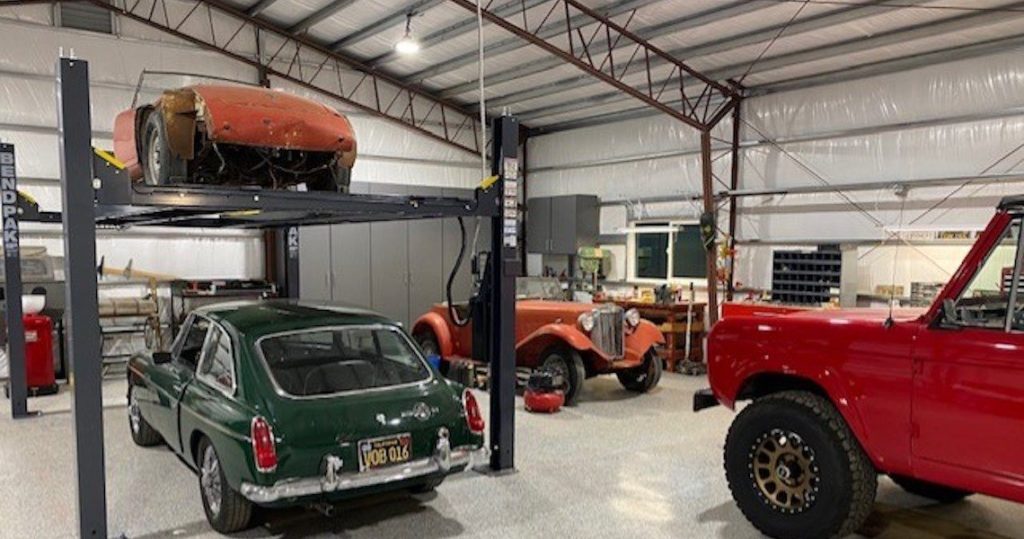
784	471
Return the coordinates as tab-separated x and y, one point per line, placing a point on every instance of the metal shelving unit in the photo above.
806	277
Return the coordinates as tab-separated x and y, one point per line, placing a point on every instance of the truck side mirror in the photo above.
949	312
161	358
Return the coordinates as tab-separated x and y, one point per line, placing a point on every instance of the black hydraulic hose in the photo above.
452	314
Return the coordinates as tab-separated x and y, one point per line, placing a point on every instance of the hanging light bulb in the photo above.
408	44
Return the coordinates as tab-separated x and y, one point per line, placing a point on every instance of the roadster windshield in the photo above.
539	288
326	361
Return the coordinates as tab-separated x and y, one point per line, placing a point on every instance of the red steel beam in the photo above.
610	63
383	95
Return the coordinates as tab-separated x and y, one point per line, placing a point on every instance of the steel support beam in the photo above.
836	50
575	46
708	196
505	265
545	31
734	183
310	65
319	16
15	324
390	20
259	7
83	331
763	35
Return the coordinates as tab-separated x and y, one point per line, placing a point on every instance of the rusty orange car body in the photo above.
208	125
550	328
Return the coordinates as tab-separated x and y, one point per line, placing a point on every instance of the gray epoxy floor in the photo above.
617	466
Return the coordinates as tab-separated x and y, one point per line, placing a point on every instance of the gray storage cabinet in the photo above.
396	268
561	225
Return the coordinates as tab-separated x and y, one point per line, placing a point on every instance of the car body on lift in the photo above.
280	403
576	340
225	134
933	397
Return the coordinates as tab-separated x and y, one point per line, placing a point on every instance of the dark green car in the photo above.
282	403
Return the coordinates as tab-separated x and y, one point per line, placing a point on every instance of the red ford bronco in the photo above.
933	398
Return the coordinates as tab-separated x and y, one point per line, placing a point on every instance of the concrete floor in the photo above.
617	466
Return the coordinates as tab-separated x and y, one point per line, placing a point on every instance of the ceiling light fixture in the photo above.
408	44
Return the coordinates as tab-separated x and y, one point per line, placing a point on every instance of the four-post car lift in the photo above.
96	192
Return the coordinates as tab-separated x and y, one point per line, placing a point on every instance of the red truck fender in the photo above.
439	326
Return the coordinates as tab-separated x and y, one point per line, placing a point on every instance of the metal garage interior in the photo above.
888	130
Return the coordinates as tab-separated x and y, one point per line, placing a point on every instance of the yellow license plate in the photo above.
384	451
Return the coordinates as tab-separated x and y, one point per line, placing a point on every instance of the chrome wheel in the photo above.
134	414
209	479
784	471
153	162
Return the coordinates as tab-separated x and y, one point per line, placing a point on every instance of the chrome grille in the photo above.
608	333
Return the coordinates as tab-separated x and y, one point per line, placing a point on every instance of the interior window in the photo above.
689	258
218	365
983	303
651	252
192	341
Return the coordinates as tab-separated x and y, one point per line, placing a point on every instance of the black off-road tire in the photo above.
847	480
154	144
645	377
235	512
145	435
427	486
569	363
939	493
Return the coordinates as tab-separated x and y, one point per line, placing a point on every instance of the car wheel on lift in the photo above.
226	510
796	470
939	493
568	363
142	433
159	165
645	377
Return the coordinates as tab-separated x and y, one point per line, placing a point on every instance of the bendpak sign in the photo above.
9	199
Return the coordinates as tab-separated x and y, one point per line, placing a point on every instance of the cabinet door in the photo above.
538	225
389	262
563	225
314	262
426	246
350	264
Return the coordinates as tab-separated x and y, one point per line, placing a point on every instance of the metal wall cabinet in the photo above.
561	225
397	268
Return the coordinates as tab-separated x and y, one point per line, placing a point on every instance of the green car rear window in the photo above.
335	360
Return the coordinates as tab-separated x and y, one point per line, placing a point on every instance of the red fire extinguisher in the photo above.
39	372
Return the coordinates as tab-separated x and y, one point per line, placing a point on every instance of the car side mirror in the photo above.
949	317
161	358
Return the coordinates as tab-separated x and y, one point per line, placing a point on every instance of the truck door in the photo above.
968	407
171	379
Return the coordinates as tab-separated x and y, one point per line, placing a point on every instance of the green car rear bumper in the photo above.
444	461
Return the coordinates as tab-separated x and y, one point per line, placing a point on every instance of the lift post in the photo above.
15	327
504	270
83	335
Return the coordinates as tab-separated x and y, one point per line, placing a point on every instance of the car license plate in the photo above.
384	451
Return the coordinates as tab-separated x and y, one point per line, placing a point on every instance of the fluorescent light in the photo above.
407	45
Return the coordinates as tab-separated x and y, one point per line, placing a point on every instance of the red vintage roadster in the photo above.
576	340
234	134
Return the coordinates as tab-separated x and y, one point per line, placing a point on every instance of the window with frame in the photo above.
668	250
218	365
984	301
192	341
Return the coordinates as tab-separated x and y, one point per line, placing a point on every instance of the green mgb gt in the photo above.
281	403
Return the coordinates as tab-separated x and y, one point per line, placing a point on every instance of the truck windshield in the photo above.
327	361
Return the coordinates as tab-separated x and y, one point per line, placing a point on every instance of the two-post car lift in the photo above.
96	192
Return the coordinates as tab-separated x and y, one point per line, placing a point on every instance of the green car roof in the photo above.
261	317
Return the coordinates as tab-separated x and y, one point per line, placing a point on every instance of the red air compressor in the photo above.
39	372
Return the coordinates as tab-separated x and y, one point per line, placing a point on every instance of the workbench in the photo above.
671	320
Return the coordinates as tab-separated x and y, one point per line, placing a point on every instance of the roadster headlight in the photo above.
633	318
586	321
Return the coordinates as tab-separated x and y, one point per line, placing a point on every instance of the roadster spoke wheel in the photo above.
784	471
210	480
